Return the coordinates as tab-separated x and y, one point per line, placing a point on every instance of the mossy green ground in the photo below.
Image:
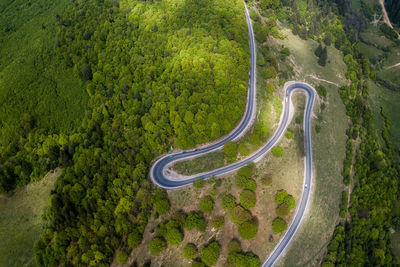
33	80
21	221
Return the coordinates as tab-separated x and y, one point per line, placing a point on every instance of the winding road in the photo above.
163	178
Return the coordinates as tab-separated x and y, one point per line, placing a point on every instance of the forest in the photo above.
157	74
393	9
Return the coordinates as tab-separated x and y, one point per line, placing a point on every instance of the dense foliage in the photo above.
248	199
209	254
248	230
279	225
363	238
157	245
228	202
189	251
206	204
393	9
195	220
156	74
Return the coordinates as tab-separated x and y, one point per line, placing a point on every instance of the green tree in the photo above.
280	196
195	220
228	202
248	199
162	206
234	246
243	150
134	238
289	134
248	230
218	222
279	225
289	200
199	183
230	150
206	204
209	254
189	251
122	257
174	236
239	215
239	259
157	245
198	264
282	210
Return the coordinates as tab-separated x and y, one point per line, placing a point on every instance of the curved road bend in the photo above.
161	178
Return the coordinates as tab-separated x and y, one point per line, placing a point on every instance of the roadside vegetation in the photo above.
242	214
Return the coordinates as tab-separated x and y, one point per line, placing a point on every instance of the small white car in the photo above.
286	99
306	186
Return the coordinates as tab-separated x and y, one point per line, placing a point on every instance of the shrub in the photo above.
134	238
199	183
239	259
245	172
289	200
122	257
239	215
247	199
243	150
279	225
241	181
206	204
282	210
228	202
277	151
218	222
251	185
230	150
248	230
174	236
318	128
189	251
195	220
157	245
234	246
280	196
289	134
210	254
267	180
299	119
269	73
198	264
162	206
179	217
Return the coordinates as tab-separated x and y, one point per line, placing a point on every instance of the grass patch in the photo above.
33	79
21	221
374	36
305	62
380	96
206	162
369	51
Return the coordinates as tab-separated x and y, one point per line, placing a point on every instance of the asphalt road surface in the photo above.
160	176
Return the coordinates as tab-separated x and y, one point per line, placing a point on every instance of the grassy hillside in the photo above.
21	221
33	79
